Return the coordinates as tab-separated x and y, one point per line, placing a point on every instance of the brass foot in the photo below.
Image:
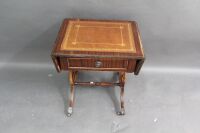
121	112
69	111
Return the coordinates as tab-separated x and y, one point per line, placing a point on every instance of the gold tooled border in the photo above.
130	33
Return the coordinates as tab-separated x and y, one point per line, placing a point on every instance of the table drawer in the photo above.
94	64
101	64
97	63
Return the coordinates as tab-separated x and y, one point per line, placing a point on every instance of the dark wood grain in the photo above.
61	57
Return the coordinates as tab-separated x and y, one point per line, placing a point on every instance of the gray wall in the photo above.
170	29
164	98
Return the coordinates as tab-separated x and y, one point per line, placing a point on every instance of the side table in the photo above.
98	45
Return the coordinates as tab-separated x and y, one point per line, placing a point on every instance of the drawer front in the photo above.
89	63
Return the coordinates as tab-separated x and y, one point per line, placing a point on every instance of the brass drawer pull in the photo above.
98	64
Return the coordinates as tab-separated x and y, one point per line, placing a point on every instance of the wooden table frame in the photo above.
72	80
120	51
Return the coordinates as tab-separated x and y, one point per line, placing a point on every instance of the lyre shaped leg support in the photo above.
72	81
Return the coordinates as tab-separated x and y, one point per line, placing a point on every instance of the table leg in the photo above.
122	83
72	78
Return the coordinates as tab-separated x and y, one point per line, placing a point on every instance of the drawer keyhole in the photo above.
98	64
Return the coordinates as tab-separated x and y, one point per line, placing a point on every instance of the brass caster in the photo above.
69	111
68	114
122	112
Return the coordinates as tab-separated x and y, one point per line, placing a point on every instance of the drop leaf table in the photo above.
98	45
